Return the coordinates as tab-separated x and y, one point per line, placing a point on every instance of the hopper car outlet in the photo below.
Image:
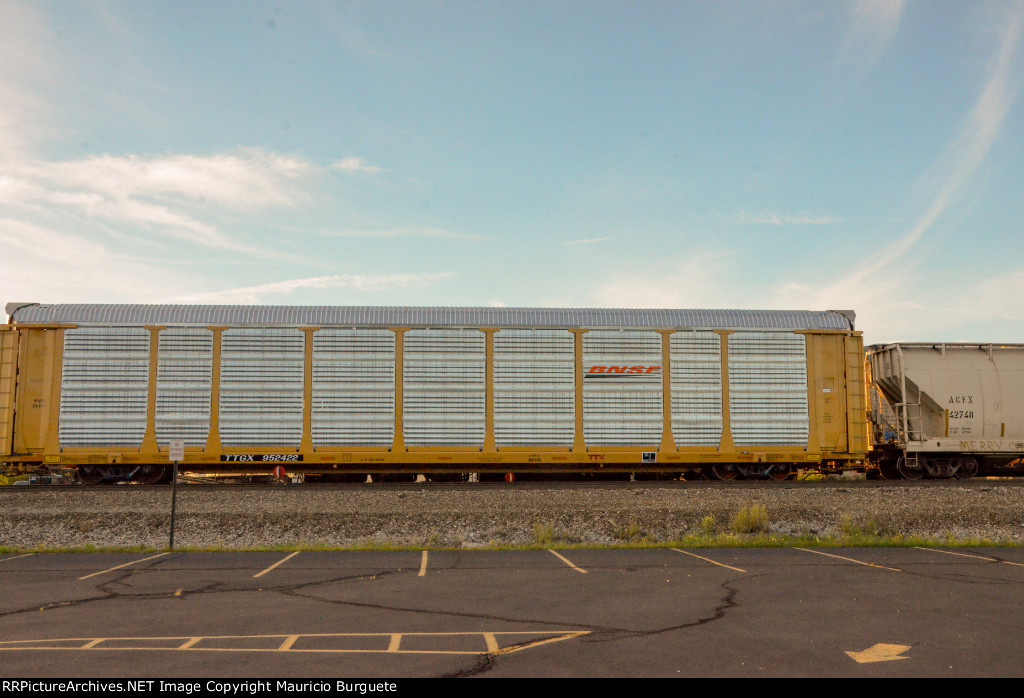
102	391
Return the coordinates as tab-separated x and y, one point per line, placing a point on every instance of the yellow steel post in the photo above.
726	443
213	444
51	388
149	444
306	445
489	444
668	442
8	375
815	417
856	395
398	444
578	444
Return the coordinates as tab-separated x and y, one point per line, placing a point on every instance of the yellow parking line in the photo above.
16	557
133	562
977	557
279	562
737	569
423	565
538	643
491	642
949	552
849	559
288	642
566	561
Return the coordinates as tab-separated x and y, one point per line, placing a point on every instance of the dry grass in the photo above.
750	519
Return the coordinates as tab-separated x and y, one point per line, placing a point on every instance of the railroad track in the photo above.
768	486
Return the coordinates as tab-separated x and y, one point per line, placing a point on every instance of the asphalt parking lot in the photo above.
651	612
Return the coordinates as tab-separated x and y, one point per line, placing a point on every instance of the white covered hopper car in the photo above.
104	389
942	410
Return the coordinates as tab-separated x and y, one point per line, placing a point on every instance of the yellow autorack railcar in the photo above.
105	389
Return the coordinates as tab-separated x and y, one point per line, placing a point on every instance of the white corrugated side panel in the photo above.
622	409
534	388
184	384
444	388
261	387
696	388
768	389
104	387
353	387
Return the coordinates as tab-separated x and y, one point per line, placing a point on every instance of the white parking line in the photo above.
16	557
977	557
279	562
567	561
423	565
849	559
737	569
133	562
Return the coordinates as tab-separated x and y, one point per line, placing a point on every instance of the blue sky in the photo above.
817	155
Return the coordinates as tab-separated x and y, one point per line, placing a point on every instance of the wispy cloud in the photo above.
957	166
342	21
42	264
178	197
353	282
694	280
769	218
587	241
244	179
23	67
405	233
353	165
873	26
885	287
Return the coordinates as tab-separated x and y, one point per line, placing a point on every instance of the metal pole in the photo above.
174	499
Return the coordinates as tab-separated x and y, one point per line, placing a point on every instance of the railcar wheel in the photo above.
967	470
780	471
90	475
725	472
907	472
889	470
151	474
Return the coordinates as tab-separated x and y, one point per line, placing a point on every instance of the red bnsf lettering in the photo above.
626	370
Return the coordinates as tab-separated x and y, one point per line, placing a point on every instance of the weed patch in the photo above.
750	519
707	525
543	534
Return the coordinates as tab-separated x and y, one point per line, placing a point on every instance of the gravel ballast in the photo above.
470	516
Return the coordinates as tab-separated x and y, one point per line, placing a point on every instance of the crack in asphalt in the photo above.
115	588
599	634
718	612
484	663
955	577
119	587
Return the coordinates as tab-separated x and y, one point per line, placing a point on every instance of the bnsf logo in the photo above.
601	371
